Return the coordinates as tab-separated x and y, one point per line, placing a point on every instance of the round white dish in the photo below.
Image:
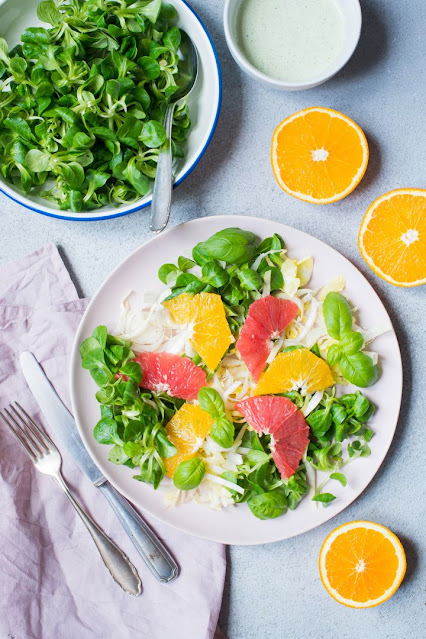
204	105
236	525
351	12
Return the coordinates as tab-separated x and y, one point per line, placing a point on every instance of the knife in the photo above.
156	556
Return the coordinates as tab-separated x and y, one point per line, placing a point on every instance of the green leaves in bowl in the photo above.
82	101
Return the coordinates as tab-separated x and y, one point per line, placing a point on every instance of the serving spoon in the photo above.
162	195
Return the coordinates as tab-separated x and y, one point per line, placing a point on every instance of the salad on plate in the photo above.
236	381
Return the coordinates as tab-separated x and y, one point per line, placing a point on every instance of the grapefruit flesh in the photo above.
175	375
266	320
279	418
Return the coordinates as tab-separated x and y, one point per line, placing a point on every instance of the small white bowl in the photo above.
351	12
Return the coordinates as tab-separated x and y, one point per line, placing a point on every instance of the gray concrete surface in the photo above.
274	591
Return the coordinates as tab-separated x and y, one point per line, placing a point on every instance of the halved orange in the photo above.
362	564
392	237
298	369
319	155
186	430
211	335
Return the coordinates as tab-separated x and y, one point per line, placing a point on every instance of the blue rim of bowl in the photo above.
181	179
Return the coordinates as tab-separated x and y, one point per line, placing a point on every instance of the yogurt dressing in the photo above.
290	40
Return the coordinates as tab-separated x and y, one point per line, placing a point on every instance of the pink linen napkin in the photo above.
53	584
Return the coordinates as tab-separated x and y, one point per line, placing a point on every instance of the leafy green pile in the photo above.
334	421
266	493
131	418
226	260
83	101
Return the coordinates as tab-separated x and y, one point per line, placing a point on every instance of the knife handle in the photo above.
156	556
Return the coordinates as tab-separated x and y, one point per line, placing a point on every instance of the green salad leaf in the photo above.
82	101
357	367
189	474
132	419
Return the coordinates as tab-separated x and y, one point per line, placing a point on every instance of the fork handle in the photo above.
122	570
153	552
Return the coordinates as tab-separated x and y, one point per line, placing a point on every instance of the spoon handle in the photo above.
162	195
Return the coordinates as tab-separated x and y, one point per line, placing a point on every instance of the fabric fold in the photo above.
53	583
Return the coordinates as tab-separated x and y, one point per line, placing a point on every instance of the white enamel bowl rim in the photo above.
353	32
102	214
236	525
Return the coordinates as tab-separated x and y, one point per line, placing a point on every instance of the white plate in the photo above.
236	525
203	102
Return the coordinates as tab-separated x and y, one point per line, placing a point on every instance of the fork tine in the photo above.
38	433
18	436
31	437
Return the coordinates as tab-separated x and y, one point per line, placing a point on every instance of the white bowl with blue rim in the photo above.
204	105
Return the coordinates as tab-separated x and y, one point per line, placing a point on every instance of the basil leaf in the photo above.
352	343
189	474
337	315
333	354
359	369
211	402
268	505
232	245
222	432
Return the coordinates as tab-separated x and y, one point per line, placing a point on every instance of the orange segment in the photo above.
211	335
392	237
293	370
186	430
319	155
361	564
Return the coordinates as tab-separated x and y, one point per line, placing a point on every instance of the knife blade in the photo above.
58	416
153	552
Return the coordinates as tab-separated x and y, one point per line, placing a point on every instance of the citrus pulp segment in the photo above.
362	564
164	372
281	419
211	335
392	237
266	320
319	155
186	430
298	369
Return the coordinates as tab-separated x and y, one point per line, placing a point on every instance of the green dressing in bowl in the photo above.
290	40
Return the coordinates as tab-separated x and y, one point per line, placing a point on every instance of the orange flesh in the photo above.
338	145
361	548
393	241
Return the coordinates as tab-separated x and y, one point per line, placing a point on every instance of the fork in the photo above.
47	459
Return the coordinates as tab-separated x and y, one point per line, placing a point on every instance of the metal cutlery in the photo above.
162	194
156	556
47	459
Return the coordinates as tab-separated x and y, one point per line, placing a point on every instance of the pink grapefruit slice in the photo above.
164	372
283	421
266	320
